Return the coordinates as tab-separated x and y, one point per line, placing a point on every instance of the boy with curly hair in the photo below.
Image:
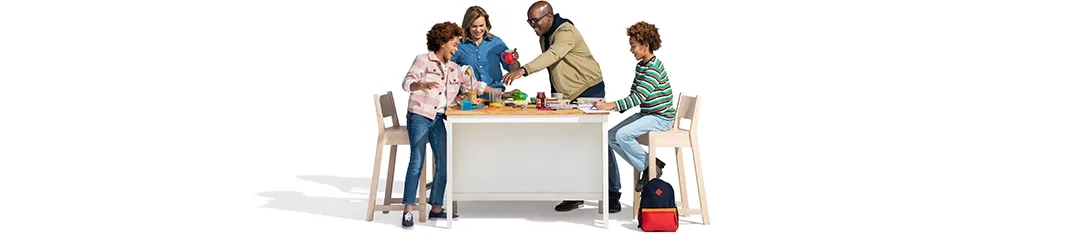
652	92
433	81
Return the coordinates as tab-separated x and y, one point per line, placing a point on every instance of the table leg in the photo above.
605	174
448	207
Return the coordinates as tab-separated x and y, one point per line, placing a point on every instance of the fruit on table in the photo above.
496	105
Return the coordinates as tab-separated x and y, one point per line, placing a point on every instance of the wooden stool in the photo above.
391	136
678	138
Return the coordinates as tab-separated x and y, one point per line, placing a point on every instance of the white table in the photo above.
508	154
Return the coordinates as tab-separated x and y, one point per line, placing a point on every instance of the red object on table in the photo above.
540	103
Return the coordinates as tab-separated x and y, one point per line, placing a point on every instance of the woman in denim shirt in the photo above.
482	50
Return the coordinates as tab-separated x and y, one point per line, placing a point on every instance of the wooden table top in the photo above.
531	110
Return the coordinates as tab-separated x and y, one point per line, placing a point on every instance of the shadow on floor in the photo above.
538	211
354	207
350	207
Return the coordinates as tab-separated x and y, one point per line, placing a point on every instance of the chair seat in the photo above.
670	138
396	136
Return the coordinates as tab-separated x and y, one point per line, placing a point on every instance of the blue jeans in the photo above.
598	91
421	130
622	138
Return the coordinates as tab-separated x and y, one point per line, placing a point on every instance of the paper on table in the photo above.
588	110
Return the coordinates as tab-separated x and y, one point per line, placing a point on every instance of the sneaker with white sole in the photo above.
408	219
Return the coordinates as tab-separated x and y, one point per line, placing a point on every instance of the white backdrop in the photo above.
818	116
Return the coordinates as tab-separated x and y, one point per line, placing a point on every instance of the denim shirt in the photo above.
485	59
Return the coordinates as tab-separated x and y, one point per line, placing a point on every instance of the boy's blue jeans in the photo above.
622	137
422	130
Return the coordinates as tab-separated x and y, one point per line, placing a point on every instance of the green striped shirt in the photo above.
650	91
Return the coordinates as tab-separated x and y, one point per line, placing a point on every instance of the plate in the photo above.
596	111
561	106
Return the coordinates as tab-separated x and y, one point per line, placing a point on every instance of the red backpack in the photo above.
657	207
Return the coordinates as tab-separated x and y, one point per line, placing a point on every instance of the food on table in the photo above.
541	100
472	94
509	94
519	95
496	105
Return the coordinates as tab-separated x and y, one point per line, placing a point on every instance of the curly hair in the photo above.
646	33
442	33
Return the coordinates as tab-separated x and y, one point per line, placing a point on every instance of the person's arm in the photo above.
565	41
472	83
641	89
413	80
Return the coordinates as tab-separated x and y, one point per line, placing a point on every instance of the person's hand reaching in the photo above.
512	76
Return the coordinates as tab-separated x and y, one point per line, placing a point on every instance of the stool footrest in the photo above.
686	212
389	207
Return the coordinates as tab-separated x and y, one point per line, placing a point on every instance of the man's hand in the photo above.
602	105
511	76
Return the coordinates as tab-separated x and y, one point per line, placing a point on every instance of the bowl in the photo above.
587	101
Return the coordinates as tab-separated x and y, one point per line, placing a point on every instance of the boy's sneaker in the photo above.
408	219
443	215
646	176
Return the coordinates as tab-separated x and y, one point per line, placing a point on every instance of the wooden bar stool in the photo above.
393	137
679	138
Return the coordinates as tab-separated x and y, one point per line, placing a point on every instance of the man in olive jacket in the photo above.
572	71
572	68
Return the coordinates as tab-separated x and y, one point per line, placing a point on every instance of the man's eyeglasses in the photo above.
534	22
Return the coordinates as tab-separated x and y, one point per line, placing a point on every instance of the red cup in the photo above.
509	56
